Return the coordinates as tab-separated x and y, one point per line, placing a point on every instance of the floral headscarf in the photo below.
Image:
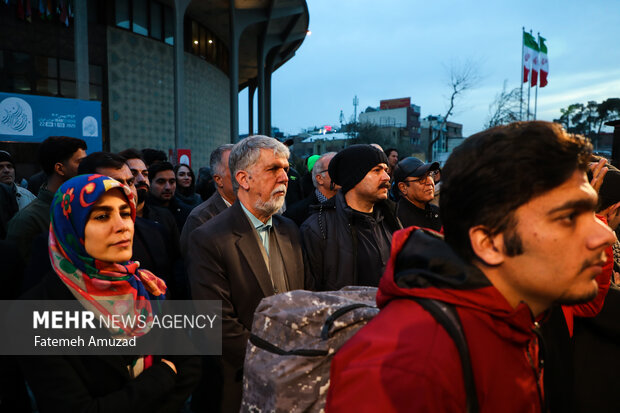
106	288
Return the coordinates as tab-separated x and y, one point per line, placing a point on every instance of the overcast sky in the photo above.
401	48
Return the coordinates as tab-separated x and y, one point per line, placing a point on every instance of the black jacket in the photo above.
330	242
102	383
411	215
199	215
300	211
581	372
178	209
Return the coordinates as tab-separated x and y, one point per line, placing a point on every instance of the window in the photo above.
140	17
67	69
21	83
121	11
47	86
67	89
146	18
42	75
201	42
156	21
168	26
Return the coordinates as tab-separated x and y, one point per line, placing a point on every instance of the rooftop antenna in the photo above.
356	102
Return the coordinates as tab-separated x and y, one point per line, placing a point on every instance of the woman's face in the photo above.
183	177
108	235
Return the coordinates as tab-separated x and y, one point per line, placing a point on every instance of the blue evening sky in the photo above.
401	48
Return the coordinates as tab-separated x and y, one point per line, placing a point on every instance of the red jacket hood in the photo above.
422	265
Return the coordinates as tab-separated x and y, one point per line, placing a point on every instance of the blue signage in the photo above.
30	118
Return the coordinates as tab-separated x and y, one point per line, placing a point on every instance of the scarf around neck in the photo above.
106	288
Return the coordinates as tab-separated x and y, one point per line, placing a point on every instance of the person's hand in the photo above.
171	364
598	173
612	214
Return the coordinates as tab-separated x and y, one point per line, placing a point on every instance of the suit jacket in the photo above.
226	263
199	215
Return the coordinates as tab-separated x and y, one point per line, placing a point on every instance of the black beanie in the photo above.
6	157
351	165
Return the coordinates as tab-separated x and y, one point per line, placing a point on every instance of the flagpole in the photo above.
536	95
521	78
529	87
535	101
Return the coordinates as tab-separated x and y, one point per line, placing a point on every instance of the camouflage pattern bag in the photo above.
294	337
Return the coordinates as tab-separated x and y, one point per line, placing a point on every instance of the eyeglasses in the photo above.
424	178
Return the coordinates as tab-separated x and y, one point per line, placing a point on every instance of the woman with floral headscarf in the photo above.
90	247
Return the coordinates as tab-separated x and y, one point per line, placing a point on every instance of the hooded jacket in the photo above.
403	360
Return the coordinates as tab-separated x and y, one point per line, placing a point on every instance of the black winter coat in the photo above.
331	244
101	383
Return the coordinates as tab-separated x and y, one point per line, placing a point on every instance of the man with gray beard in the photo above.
246	253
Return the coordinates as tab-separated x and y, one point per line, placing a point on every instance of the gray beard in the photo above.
269	207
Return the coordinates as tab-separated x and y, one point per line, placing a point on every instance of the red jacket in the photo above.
403	360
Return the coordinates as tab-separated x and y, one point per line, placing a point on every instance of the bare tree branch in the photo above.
505	108
461	77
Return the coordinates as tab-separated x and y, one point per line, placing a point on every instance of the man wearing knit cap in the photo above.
347	241
7	177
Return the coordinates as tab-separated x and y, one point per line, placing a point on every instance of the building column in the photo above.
81	50
234	73
270	63
179	73
251	90
260	61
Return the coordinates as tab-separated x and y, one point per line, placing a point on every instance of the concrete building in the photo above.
448	135
167	72
399	120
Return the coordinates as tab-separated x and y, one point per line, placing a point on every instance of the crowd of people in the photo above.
514	247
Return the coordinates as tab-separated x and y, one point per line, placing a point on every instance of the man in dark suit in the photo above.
246	252
222	198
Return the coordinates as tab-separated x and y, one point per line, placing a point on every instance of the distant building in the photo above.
307	144
448	134
399	120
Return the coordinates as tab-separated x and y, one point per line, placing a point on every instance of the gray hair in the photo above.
319	165
215	161
246	153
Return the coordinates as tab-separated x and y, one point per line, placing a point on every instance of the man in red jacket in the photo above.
520	236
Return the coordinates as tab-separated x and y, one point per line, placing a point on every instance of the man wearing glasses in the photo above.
415	181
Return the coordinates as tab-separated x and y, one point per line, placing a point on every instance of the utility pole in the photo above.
341	118
355	103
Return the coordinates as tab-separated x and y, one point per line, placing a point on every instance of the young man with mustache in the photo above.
246	252
347	241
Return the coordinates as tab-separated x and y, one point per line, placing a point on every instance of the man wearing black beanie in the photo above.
347	240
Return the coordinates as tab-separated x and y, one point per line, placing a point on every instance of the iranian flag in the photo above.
530	52
544	62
